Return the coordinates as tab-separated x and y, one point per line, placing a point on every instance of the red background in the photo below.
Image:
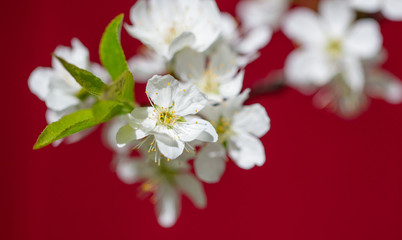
325	178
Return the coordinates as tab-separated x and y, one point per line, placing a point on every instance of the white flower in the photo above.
239	128
170	120
391	9
256	13
59	90
165	182
146	64
245	42
55	86
330	45
169	26
216	75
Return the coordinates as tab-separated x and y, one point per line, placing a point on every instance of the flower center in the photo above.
167	116
334	48
209	84
223	129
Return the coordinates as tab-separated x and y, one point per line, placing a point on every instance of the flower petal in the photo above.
304	67
370	6
58	100
39	80
209	165
233	87
127	134
364	39
338	16
193	189
393	10
161	90
169	147
167	206
246	151
188	100
254	40
189	64
252	119
305	27
186	39
353	73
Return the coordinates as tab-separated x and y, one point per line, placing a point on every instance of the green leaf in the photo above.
87	80
66	126
122	90
103	111
110	50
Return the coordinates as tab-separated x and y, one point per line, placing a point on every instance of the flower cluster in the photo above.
199	116
193	62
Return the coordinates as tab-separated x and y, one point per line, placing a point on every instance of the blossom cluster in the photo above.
193	63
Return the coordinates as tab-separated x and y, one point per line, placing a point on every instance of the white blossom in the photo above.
171	119
169	26
217	75
330	44
391	9
59	90
256	13
164	182
239	128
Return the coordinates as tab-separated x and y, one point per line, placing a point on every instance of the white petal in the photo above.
337	15
246	151
189	64
353	74
52	116
39	80
252	119
211	112
143	118
132	171
305	67
209	165
370	6
233	105
126	134
193	189
161	90
229	26
57	100
304	26
364	39
78	55
254	40
145	65
232	88
393	10
188	100
209	134
186	39
191	129
167	206
169	147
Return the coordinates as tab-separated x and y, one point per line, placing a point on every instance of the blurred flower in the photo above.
330	45
256	13
391	9
216	75
239	128
165	182
169	26
59	90
170	120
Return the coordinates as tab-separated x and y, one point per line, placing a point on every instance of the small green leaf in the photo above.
122	90
66	126
103	111
87	80
110	50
